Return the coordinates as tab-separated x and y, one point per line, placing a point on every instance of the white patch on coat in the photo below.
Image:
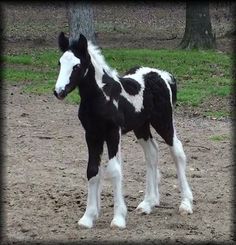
167	77
67	61
86	72
114	170
100	66
137	100
93	201
115	103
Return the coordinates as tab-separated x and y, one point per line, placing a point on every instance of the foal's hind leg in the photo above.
167	132
180	162
150	149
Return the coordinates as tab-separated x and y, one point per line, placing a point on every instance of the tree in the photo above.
80	18
198	29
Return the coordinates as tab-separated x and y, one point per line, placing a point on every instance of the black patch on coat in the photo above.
109	111
111	88
143	132
131	118
173	87
130	85
161	114
95	144
112	138
132	70
63	42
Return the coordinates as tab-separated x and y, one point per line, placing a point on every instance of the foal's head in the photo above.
73	64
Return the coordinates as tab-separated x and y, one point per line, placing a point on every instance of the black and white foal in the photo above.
111	105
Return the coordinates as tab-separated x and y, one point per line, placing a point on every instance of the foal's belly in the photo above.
133	120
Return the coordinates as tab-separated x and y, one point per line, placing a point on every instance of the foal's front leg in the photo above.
95	149
114	169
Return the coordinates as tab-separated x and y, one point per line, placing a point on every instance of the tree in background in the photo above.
198	29
80	18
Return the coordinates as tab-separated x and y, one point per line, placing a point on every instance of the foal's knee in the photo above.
150	150
114	168
92	171
178	151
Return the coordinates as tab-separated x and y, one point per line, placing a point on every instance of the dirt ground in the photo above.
45	180
46	156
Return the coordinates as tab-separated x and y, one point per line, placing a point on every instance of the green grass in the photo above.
73	98
222	137
201	75
43	88
15	75
23	60
217	114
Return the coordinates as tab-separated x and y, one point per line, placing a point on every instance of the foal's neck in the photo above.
88	88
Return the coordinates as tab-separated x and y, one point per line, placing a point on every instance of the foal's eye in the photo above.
75	67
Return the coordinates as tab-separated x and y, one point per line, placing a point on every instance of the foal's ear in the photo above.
63	42
82	45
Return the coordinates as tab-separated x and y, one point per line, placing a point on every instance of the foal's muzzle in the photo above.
60	95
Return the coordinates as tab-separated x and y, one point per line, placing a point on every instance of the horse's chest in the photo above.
96	116
87	116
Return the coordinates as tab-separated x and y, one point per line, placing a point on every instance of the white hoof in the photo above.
144	207
185	207
85	222
119	222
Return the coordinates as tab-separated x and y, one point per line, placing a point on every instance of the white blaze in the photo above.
67	61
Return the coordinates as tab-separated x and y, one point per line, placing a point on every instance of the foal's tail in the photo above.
173	87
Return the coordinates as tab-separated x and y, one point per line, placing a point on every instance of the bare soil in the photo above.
45	184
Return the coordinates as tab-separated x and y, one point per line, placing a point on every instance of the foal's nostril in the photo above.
55	93
61	95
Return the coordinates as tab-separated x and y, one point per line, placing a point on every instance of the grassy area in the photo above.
219	137
201	75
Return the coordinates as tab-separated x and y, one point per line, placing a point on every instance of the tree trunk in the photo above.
80	18
198	30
